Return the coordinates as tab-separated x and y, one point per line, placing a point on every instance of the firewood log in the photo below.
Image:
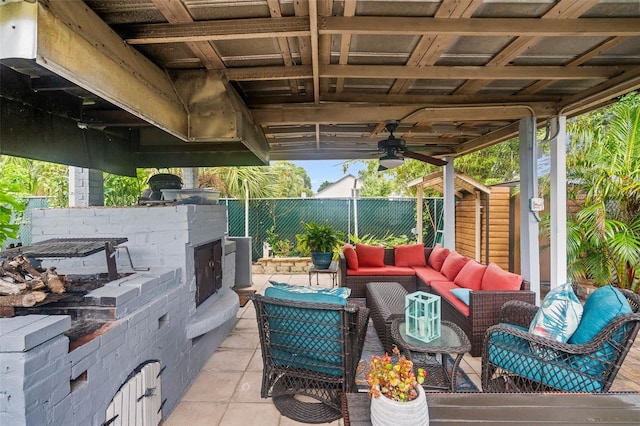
12	274
53	281
24	263
25	300
7	288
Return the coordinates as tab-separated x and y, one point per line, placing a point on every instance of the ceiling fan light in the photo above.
391	161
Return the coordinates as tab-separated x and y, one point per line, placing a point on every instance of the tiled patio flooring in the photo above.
227	390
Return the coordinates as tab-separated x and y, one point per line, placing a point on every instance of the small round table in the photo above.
452	341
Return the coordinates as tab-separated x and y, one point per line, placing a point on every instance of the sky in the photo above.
329	170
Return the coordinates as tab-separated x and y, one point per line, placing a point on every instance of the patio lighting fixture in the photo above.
390	161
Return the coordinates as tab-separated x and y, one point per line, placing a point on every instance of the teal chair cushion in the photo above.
343	292
601	307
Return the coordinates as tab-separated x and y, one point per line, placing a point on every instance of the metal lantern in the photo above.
422	316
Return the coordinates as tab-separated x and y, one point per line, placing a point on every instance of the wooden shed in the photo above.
485	238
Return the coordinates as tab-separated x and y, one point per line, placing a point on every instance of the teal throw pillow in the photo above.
559	314
601	307
462	294
343	292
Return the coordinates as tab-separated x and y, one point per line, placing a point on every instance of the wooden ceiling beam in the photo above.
232	29
331	114
510	27
345	43
473	72
176	12
283	44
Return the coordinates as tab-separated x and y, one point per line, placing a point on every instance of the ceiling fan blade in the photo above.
381	168
425	158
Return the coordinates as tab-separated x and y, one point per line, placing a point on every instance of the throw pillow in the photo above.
410	255
343	292
559	314
351	257
438	256
601	307
453	264
470	276
370	255
496	278
462	294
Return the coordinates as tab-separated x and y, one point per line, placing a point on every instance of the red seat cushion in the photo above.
453	264
496	278
443	288
470	276
350	256
369	255
428	274
386	270
438	256
410	255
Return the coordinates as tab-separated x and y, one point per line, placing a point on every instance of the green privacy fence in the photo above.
374	217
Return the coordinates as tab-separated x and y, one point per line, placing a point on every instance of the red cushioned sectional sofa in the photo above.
471	293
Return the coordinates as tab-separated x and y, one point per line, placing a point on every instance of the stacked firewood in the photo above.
22	284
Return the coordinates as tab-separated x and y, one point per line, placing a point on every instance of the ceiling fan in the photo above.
392	146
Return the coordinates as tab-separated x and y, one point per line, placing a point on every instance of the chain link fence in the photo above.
279	220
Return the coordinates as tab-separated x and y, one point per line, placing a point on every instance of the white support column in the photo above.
190	180
529	243
419	213
558	204
449	205
86	187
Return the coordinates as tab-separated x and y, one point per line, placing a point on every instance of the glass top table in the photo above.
449	348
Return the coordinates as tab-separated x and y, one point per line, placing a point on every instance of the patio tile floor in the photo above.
227	390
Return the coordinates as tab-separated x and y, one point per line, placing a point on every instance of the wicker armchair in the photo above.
312	350
514	360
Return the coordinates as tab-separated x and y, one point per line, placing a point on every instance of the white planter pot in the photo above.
387	412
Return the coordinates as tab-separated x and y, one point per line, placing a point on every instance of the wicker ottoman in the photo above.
385	301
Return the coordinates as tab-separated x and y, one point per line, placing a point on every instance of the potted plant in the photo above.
320	241
397	396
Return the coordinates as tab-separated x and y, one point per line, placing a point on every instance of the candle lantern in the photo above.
422	316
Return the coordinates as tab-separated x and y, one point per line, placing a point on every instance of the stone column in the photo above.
190	180
86	187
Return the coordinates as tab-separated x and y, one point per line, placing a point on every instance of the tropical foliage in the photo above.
603	165
10	207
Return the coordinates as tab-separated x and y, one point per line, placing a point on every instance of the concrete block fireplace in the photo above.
153	328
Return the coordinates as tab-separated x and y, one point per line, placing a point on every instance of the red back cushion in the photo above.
370	255
470	276
496	278
410	255
453	264
437	257
351	256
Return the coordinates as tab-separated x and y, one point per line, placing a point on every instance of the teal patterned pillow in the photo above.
559	314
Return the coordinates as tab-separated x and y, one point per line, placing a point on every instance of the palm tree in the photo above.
603	163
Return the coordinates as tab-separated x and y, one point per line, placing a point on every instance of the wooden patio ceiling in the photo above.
317	79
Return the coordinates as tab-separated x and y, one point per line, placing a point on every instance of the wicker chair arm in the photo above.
517	312
342	269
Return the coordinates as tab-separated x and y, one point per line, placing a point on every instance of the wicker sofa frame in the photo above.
300	355
544	365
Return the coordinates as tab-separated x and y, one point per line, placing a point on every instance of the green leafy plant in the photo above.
8	204
395	381
318	238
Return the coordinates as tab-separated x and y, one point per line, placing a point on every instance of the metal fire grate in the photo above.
63	247
71	247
